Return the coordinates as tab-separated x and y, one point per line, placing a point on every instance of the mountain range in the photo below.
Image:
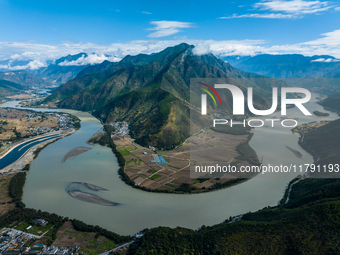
8	88
152	92
317	73
288	65
57	73
9	64
23	78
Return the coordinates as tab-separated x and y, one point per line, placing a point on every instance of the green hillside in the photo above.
152	92
96	74
325	142
148	110
8	88
310	229
332	102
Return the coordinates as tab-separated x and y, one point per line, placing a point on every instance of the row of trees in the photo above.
120	158
75	120
16	186
247	152
81	226
17	133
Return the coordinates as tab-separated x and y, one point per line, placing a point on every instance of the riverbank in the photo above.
24	129
28	156
14	145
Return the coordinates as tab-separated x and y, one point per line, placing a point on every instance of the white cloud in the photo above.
337	8
43	52
164	32
30	54
294	6
90	59
16	57
32	65
146	12
330	39
263	16
227	48
328	60
35	64
165	28
37	54
285	9
201	49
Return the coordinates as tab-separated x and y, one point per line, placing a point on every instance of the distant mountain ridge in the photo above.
152	92
10	63
59	70
57	74
289	65
317	73
8	88
70	58
24	78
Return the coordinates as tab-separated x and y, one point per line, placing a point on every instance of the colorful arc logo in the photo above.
204	97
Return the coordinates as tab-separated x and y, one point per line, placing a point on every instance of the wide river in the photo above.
49	178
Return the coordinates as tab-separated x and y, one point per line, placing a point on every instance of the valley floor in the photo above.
174	175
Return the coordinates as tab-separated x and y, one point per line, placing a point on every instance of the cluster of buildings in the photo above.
40	131
13	241
32	116
41	222
64	121
121	127
52	250
236	218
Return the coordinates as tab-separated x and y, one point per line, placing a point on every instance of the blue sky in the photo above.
41	30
